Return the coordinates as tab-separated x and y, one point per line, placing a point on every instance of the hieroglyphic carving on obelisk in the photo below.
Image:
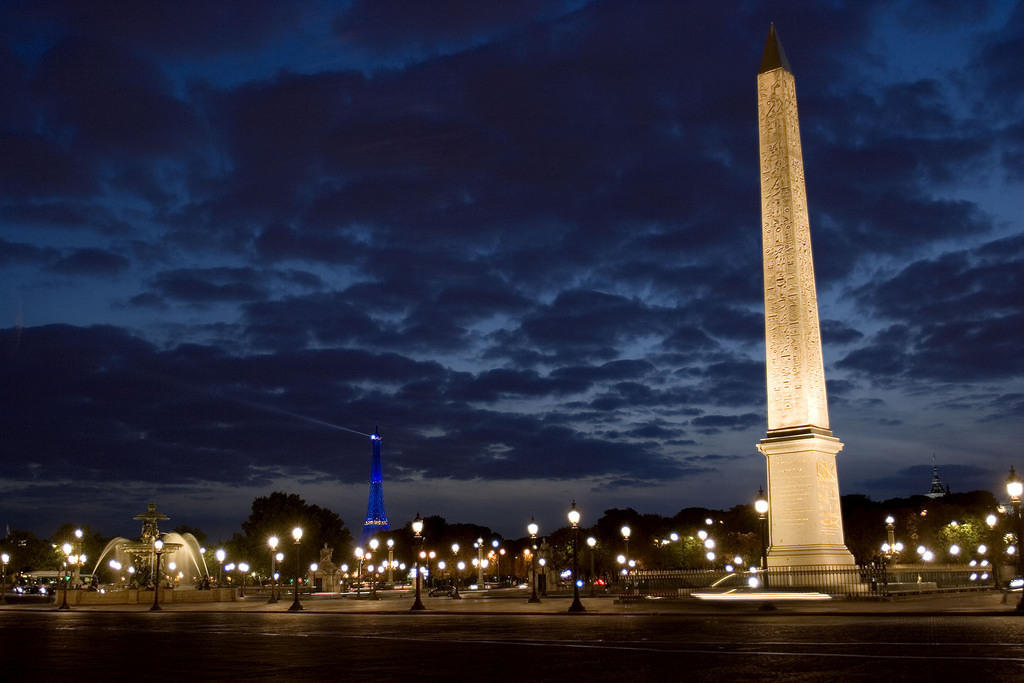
803	488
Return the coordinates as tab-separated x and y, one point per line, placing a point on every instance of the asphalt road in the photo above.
232	646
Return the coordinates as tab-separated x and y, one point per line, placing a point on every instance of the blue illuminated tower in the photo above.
376	518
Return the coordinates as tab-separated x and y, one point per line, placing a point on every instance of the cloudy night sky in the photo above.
522	238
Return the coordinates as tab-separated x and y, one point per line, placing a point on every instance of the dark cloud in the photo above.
35	166
951	306
712	457
16	253
203	286
712	424
995	63
201	399
185	27
838	332
110	102
612	370
400	29
91	262
588	320
734	382
958	476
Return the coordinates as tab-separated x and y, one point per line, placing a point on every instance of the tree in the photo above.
276	515
91	545
27	552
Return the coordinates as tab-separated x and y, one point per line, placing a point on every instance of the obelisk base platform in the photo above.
803	496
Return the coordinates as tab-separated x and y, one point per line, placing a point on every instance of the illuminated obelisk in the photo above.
803	490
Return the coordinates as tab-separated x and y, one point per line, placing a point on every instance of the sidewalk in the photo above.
988	603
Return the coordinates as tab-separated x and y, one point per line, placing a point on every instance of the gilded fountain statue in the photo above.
181	564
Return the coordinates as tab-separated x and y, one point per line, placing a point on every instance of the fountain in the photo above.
182	563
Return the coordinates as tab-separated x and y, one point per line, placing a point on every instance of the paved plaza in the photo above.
514	602
933	637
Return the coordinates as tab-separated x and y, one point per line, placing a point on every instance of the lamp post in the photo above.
417	530
532	529
66	549
391	562
1014	488
359	554
456	565
574	520
243	569
297	535
75	570
497	553
890	531
626	533
479	545
591	543
277	574
158	550
991	520
272	542
220	555
761	507
374	544
5	558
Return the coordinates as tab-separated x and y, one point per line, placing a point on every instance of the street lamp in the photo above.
374	544
890	530
574	520
66	549
360	555
532	529
272	542
991	520
1014	488
458	577
277	574
76	571
243	568
297	535
496	554
5	558
220	555
626	533
479	545
761	508
417	530
591	543
391	562
158	550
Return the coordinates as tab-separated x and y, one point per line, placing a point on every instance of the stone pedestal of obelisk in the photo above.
805	522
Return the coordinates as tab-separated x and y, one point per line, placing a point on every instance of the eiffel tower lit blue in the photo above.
376	517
